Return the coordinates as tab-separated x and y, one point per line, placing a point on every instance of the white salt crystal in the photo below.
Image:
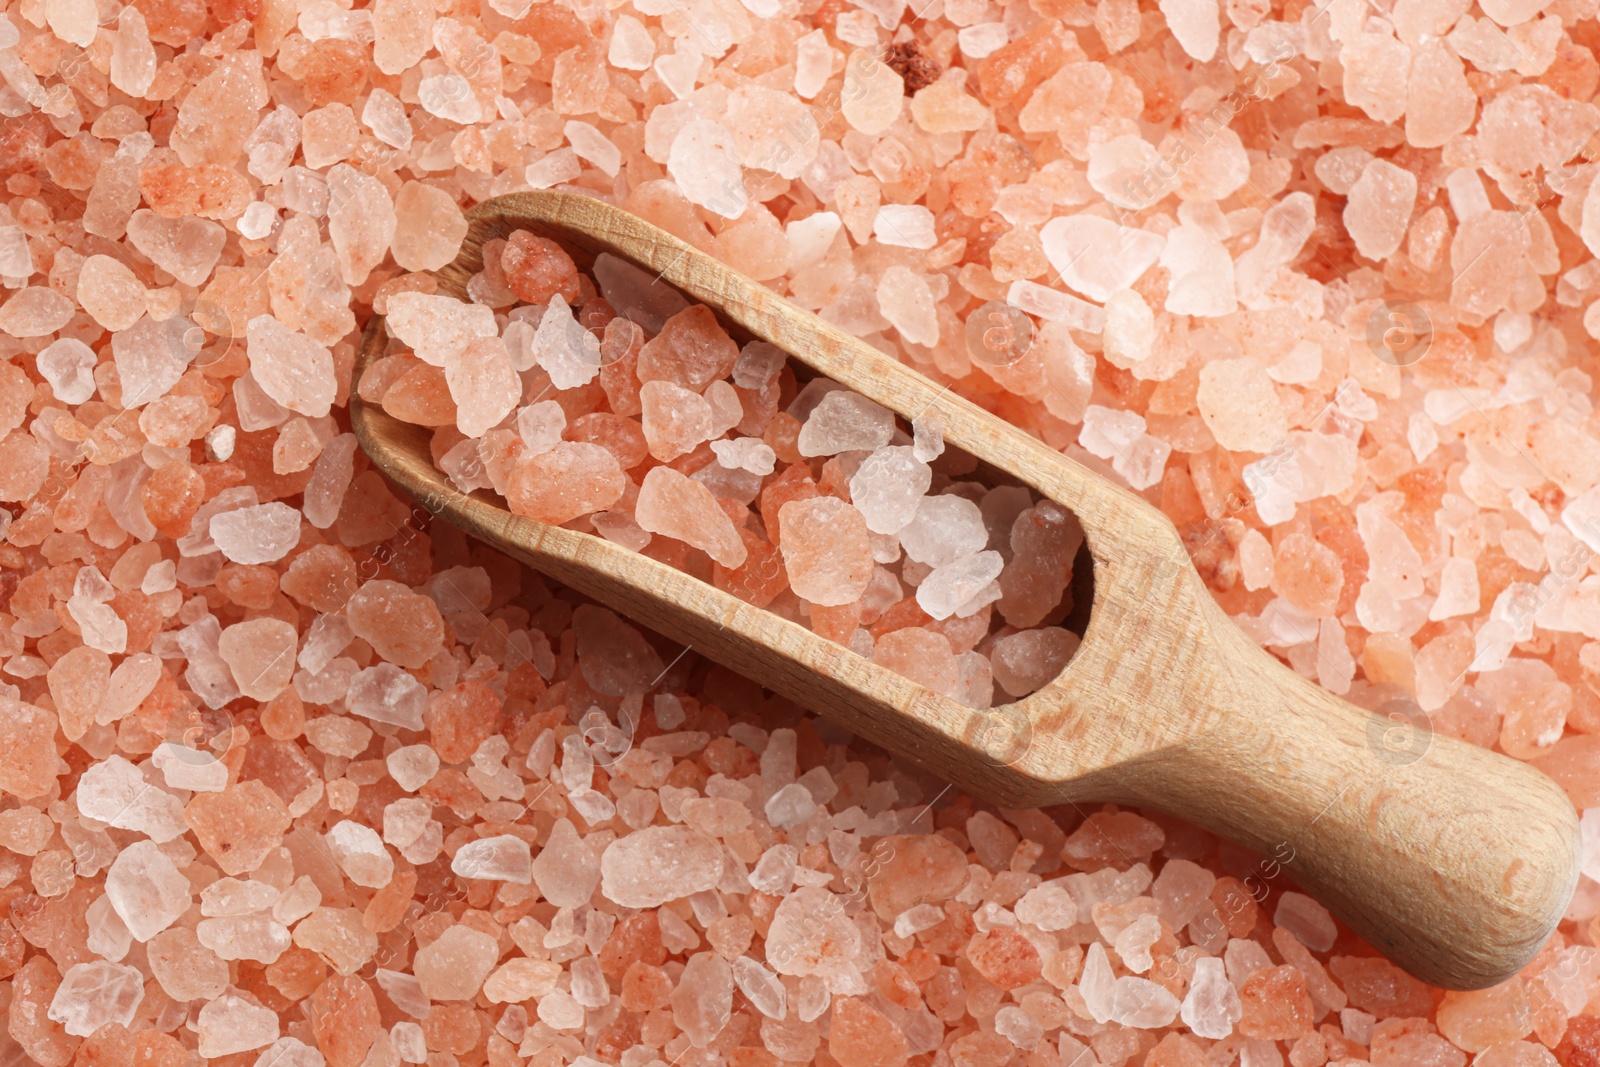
540	426
790	806
1196	24
1097	984
949	588
811	237
257	220
147	890
904	226
387	693
116	793
220	442
1130	330
746	453
1202	275
1097	257
291	368
188	768
506	858
232	1024
632	47
1458	590
906	300
982	39
95	994
705	164
100	626
412	766
658	864
758	364
261	534
761	987
888	486
385	116
813	64
590	144
553	168
360	853
1211	1006
67	364
150	358
437	328
568	353
946	528
1053	304
845	422
449	96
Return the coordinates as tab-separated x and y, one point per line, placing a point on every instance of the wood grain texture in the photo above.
1453	860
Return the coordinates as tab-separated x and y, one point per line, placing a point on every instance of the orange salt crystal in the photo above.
1276	1005
537	269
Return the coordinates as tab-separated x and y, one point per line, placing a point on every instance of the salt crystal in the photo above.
1306	920
632	47
1196	25
1029	659
593	146
437	328
845	422
96	994
1211	1006
814	61
261	534
888	487
569	353
67	365
873	94
907	302
904	226
133	59
705	164
827	550
231	1024
951	589
1378	209
683	508
147	890
454	965
658	864
292	369
116	793
505	858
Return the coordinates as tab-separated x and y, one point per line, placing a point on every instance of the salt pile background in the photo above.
292	776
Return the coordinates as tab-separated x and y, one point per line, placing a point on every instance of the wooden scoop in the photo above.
1454	861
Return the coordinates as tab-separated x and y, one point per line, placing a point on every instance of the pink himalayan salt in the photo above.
429	227
1240	407
658	864
691	351
677	506
1379	208
402	626
569	480
483	385
675	420
827	550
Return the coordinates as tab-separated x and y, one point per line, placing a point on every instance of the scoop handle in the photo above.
1454	861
